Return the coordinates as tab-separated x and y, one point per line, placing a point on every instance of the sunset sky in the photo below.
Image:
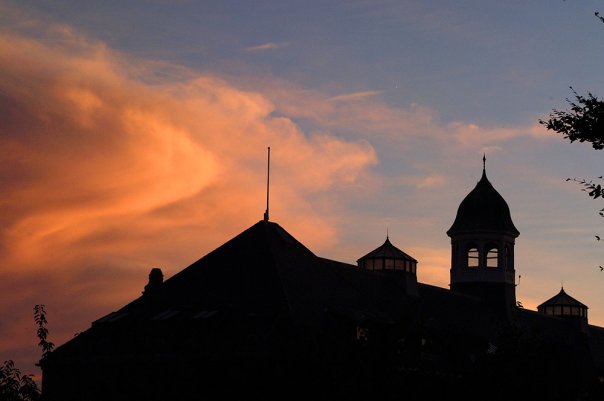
133	135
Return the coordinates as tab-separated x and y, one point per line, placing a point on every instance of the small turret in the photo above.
388	259
564	306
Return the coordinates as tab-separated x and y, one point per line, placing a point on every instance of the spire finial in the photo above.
484	162
387	236
268	176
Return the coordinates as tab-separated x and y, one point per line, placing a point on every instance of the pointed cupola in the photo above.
563	305
482	246
388	259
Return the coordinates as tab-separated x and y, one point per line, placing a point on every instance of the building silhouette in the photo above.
262	316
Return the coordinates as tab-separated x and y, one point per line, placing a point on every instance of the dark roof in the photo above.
265	271
453	312
483	209
562	299
387	250
596	344
547	327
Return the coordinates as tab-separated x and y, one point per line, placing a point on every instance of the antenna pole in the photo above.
268	181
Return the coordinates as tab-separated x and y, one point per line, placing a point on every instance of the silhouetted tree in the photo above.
584	122
42	333
17	387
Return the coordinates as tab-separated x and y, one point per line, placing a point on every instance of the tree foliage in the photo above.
584	122
42	332
17	387
593	190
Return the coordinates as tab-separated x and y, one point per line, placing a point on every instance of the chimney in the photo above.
156	278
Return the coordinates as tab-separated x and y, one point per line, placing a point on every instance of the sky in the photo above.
133	135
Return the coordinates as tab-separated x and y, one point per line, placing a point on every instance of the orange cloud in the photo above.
108	171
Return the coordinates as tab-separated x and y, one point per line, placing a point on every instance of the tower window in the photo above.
493	257
473	260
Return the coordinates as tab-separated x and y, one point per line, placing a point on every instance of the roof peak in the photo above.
562	298
388	250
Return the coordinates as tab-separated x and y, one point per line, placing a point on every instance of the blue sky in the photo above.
378	114
493	61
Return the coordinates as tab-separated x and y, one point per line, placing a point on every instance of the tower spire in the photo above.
268	177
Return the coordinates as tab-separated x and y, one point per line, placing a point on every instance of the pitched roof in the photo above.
264	271
387	250
562	299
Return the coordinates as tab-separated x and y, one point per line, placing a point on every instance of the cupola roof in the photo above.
483	209
562	299
387	251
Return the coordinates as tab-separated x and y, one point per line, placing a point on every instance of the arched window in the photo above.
473	257
492	256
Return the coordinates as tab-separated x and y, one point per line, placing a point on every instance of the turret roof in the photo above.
387	251
483	209
562	299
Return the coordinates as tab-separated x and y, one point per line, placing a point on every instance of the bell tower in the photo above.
482	247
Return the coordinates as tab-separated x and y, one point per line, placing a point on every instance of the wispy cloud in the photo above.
347	97
266	46
491	149
108	171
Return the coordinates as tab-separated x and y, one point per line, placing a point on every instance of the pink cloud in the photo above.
347	97
266	46
108	172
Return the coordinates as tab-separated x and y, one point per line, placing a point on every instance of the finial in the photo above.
484	162
387	232
268	176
